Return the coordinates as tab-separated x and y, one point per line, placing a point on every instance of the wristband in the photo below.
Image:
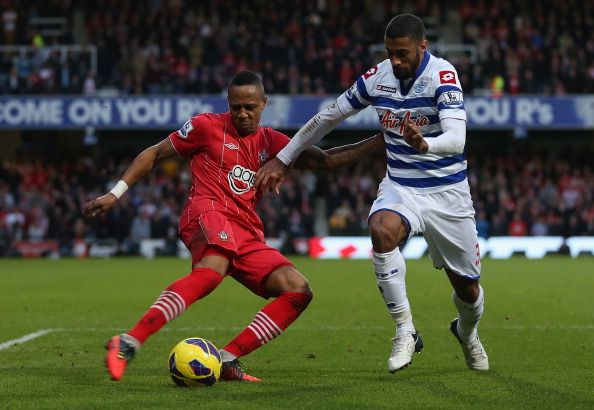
119	189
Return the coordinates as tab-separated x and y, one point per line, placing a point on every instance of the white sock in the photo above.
131	340
469	315
226	356
390	271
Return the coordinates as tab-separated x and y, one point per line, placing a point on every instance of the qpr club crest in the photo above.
420	85
223	236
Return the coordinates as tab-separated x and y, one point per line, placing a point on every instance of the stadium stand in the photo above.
169	47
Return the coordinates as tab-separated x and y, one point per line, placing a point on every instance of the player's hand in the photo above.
414	138
100	205
270	176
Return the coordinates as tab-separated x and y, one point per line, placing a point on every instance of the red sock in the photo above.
269	322
173	301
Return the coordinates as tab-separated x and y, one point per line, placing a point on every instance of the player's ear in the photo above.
265	101
423	45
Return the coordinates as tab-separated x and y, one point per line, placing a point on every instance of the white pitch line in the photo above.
26	338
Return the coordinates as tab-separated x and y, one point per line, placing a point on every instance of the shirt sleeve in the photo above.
313	131
451	141
357	97
348	103
448	94
191	136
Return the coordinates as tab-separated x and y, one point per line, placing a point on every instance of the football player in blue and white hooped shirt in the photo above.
419	102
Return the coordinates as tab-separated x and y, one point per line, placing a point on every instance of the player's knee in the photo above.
286	279
467	289
298	284
386	232
307	296
300	300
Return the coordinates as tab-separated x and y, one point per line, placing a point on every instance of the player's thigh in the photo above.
450	232
393	201
388	229
256	263
208	233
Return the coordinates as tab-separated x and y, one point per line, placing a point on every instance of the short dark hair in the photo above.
246	77
406	25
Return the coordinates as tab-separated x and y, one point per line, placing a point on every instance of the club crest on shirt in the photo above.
420	85
262	156
223	236
185	129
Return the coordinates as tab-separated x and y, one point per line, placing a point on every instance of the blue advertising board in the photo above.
288	112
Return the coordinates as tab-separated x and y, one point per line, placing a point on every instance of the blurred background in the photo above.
85	86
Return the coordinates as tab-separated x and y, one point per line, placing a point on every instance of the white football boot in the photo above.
404	345
474	353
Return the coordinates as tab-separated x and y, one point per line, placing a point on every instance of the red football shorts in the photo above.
251	260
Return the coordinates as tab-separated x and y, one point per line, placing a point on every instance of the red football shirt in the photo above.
224	164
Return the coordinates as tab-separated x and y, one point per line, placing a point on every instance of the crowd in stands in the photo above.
529	47
534	195
299	47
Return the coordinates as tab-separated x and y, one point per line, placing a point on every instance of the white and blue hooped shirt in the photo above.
432	94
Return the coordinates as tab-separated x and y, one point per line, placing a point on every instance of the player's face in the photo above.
405	55
246	103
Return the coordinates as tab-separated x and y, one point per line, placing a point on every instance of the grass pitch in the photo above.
538	329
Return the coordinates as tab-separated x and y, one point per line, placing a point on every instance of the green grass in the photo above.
538	330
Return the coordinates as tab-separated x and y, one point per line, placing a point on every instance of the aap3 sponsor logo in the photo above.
241	179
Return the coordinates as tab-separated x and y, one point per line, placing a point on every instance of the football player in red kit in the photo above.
219	223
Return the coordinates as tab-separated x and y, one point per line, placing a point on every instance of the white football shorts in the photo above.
446	220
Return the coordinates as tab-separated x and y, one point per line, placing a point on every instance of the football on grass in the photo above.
195	362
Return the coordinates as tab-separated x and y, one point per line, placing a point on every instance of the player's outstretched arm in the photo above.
342	156
140	166
270	175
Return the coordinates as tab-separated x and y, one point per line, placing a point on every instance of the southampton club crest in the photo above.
262	156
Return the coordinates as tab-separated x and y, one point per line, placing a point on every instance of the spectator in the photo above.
140	229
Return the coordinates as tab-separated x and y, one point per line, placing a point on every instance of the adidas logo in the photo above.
232	146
